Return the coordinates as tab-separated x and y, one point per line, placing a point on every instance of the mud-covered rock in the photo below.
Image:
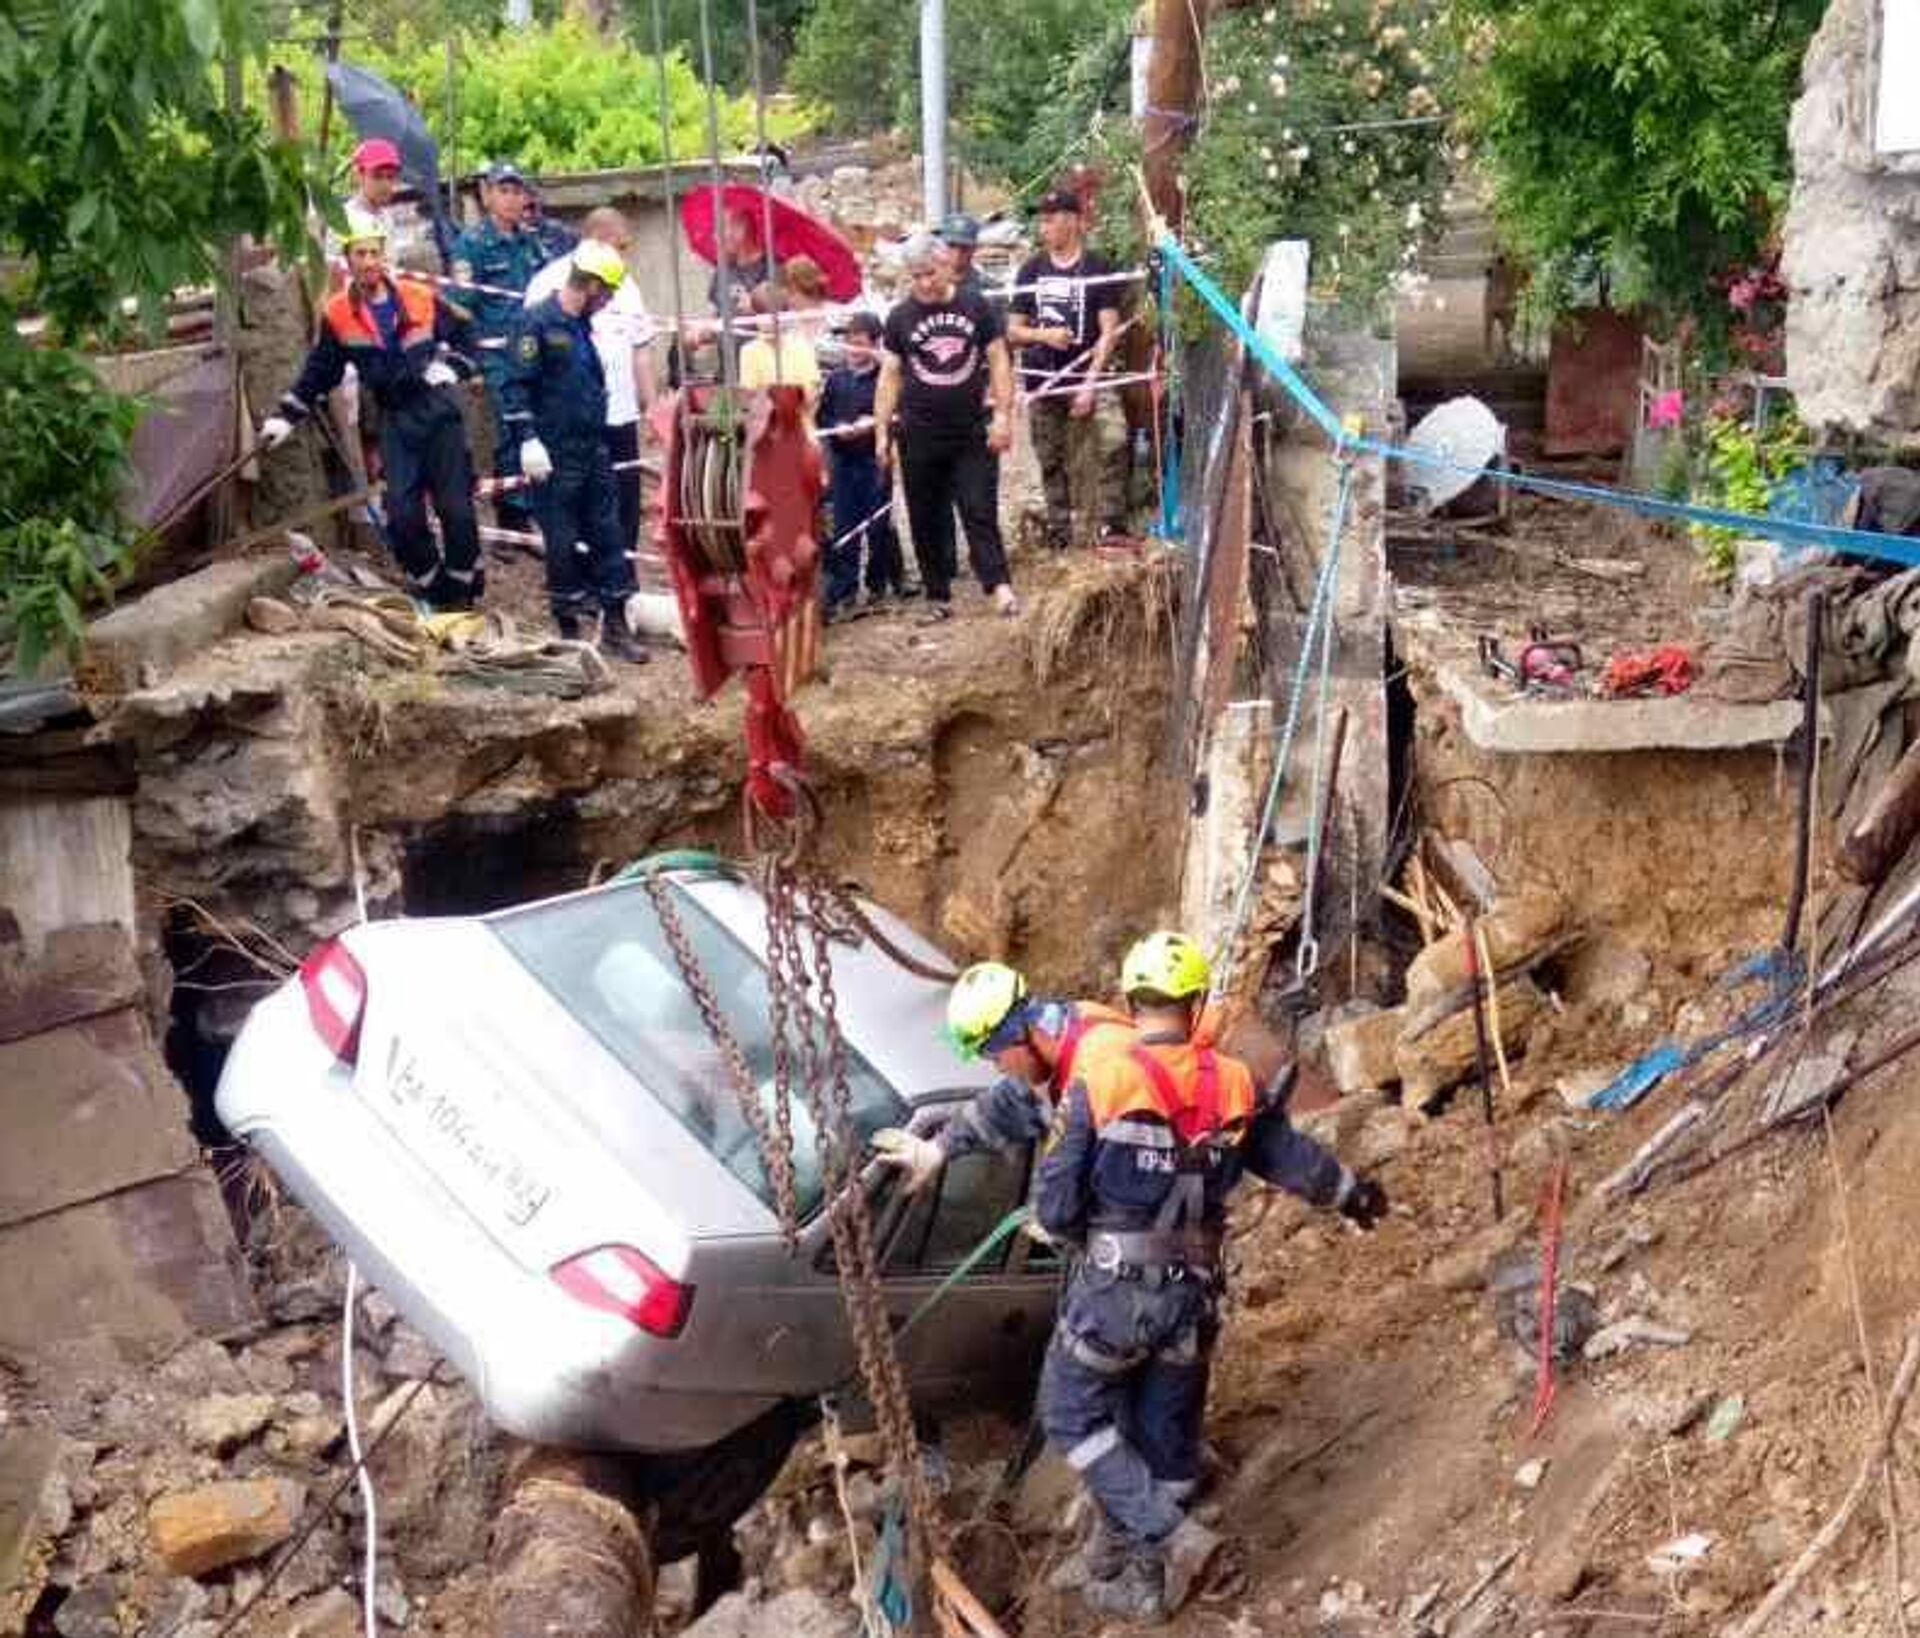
800	1612
222	1422
195	1531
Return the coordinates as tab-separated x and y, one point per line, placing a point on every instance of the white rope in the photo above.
367	1500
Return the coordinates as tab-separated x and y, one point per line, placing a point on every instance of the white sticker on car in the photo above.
458	1143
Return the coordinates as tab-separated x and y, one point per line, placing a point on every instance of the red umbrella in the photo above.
795	233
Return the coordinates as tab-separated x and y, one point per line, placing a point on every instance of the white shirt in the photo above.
405	230
619	327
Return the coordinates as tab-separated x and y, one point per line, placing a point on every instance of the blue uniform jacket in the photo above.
1118	1179
485	255
554	387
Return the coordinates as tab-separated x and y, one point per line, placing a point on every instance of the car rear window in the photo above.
603	957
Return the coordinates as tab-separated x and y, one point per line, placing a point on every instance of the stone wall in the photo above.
1852	253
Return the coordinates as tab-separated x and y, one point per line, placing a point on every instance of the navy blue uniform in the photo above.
1149	1143
390	341
858	488
555	390
507	262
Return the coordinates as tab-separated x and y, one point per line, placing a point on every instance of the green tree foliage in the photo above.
780	21
1322	123
1013	72
122	175
558	98
1642	140
61	538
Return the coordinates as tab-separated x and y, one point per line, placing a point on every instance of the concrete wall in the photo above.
1852	245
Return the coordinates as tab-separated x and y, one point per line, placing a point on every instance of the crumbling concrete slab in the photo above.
1530	725
134	1273
65	861
88	1109
142	641
29	1467
81	972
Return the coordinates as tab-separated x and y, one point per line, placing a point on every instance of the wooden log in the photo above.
569	1556
1882	835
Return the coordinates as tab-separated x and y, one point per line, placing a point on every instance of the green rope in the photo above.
1002	1231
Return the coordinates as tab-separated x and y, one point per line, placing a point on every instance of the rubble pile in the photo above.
166	1501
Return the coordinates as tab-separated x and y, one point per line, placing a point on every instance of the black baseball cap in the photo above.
863	323
1060	201
503	170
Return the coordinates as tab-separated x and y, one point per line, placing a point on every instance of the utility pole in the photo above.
1173	92
933	108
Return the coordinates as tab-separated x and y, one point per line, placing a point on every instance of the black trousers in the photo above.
941	474
423	448
587	564
623	445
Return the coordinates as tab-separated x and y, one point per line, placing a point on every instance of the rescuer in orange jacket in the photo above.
408	345
1035	1044
1148	1143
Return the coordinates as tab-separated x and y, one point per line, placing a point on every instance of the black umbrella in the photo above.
377	109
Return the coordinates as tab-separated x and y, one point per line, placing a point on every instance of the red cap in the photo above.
374	153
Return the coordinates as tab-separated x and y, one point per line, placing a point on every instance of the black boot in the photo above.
619	643
568	626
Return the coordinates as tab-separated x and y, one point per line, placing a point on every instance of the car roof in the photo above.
895	1019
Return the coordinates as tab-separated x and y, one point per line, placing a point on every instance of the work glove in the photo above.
535	461
440	374
919	1158
275	431
1035	1230
1365	1203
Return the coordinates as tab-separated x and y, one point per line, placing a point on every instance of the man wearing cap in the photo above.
960	233
501	253
371	208
408	345
1065	319
555	396
623	330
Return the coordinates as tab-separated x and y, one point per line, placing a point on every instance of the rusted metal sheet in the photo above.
1593	383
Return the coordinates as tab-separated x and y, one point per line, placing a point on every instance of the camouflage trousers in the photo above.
1085	467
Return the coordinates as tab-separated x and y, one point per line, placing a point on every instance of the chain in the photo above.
776	1140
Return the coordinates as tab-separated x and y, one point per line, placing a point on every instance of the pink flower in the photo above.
1742	294
1666	411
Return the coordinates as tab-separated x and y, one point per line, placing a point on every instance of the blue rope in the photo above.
1794	531
1169	451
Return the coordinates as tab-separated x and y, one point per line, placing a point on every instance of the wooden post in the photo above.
1173	92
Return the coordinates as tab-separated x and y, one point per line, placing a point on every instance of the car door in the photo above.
986	1333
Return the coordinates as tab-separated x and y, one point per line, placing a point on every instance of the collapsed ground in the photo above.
998	784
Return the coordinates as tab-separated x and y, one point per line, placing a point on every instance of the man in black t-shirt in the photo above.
1065	326
945	358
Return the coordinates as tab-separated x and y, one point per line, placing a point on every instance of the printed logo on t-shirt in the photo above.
1060	301
944	349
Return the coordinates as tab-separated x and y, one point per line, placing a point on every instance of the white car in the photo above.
520	1130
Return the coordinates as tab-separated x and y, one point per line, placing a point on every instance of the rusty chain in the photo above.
821	1052
775	1139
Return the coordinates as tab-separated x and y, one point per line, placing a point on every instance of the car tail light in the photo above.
336	990
618	1280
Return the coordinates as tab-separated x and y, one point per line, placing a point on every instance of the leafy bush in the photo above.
561	98
62	538
1741	468
1643	142
1307	137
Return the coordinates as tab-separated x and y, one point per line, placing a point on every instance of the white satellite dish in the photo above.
1465	435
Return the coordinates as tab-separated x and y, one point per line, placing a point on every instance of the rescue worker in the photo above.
502	252
408	345
1035	1044
556	410
1148	1144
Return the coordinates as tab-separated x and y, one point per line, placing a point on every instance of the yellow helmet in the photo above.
1168	964
602	261
985	999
